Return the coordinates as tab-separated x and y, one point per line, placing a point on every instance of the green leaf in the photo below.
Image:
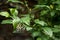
52	13
28	28
38	38
37	21
16	22
6	14
48	31
58	7
44	37
26	20
56	30
57	2
13	0
41	6
56	26
44	12
56	38
42	1
16	1
14	12
36	33
6	22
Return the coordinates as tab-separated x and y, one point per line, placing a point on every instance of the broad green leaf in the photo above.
16	22
42	1
38	38
56	26
37	21
28	28
36	33
44	37
26	20
6	14
14	12
56	2
56	30
56	38
58	7
32	16
17	1
43	12
41	6
13	0
52	13
6	22
48	31
51	6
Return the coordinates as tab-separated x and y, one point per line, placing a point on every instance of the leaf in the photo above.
32	16
51	6
56	30
7	22
43	12
26	20
58	7
16	22
28	28
44	37
16	1
36	33
56	26
37	21
56	38
52	13
57	2
48	31
42	1
13	11
41	6
13	0
38	38
6	14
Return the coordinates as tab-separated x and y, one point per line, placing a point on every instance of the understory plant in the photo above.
42	21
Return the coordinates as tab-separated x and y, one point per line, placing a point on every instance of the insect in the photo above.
20	28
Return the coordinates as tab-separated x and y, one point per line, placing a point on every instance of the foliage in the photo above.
44	27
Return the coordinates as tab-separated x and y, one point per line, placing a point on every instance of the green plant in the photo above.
44	27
